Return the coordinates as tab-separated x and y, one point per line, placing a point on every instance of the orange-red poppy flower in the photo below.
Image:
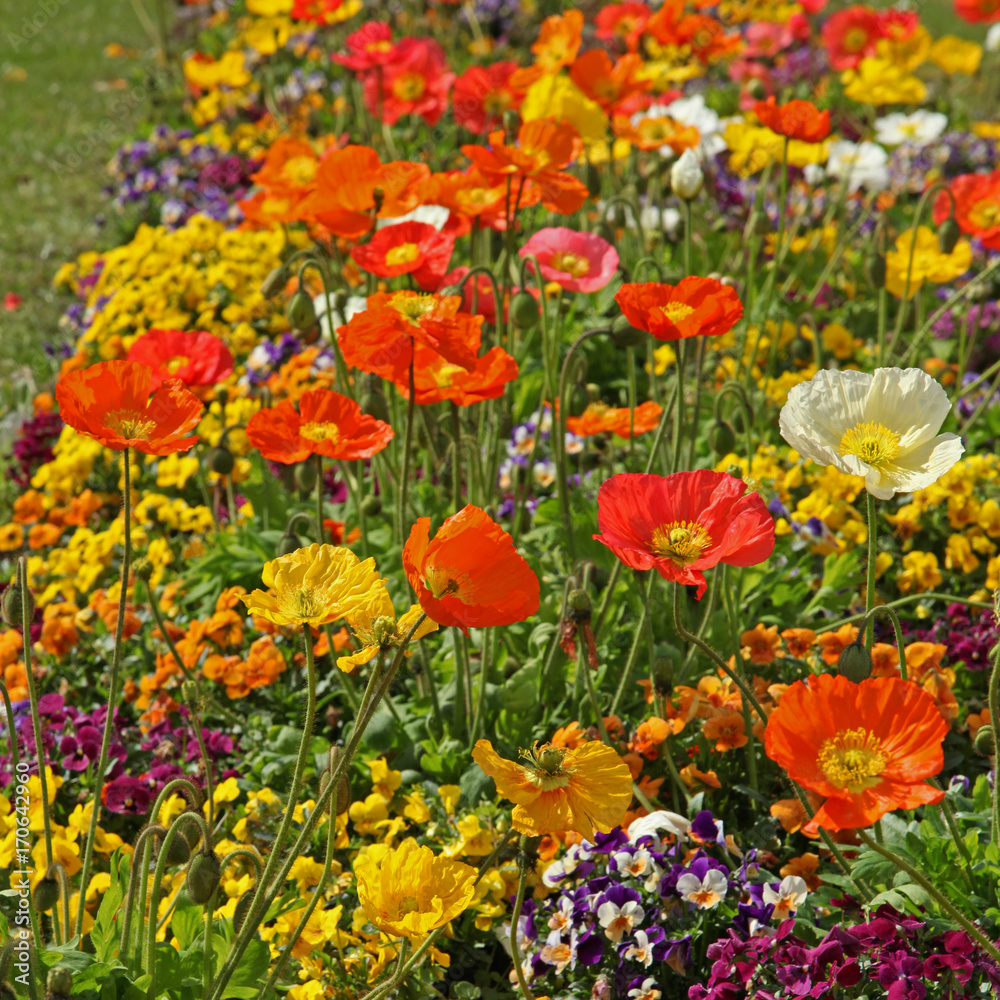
469	574
599	418
978	11
800	120
407	248
695	306
321	11
977	206
682	524
290	166
436	380
704	36
196	357
482	94
850	35
656	131
583	789
381	339
415	82
110	402
624	21
367	48
868	747
326	423
558	40
609	83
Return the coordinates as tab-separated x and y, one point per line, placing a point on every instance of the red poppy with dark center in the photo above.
469	574
624	21
977	206
326	423
695	306
869	748
196	357
682	524
407	248
110	402
319	11
978	11
800	120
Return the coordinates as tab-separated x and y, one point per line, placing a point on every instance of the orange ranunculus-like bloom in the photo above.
868	747
800	120
977	206
110	402
599	418
196	357
470	195
469	574
695	306
543	150
326	423
583	789
381	339
407	248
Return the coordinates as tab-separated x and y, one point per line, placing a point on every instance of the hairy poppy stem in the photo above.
404	476
515	916
870	578
994	703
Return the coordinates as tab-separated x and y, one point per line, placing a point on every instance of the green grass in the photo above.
65	106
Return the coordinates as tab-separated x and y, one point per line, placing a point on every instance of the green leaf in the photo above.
917	893
105	935
187	922
890	896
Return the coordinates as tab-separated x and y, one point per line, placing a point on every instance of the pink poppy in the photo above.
579	262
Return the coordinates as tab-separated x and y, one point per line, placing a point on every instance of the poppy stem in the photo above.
320	529
116	665
734	631
994	703
897	628
404	476
679	413
647	594
456	458
633	655
515	951
870	578
630	366
584	666
12	740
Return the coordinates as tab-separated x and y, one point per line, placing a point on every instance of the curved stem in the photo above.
994	703
515	917
870	577
404	476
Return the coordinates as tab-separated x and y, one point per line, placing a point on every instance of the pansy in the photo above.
703	886
918	128
786	897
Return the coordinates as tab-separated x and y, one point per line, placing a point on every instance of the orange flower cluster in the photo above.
14	676
599	418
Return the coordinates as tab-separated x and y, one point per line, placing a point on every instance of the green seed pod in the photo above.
875	269
985	743
624	334
735	471
289	543
242	910
722	439
371	506
855	662
305	476
579	600
46	894
189	692
203	876
948	235
59	983
300	311
524	311
221	460
274	282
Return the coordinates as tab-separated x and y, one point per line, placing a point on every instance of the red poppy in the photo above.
695	306
625	21
867	747
470	195
850	35
469	575
682	524
482	94
977	206
326	423
800	120
436	380
110	402
380	340
196	357
414	82
407	248
610	83
703	35
978	11
319	11
368	47
598	418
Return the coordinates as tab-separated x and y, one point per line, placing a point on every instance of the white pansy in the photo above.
686	175
619	921
917	129
864	164
787	897
882	426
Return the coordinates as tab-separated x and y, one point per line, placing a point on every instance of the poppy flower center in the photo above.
408	904
440	583
320	431
656	130
496	103
302	602
409	86
378	47
570	263
177	362
300	170
405	253
411	306
985	214
682	541
853	759
855	40
130	424
873	443
445	375
676	312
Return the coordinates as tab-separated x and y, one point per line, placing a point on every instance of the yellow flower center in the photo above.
570	263
873	443
317	431
985	214
405	253
302	602
677	311
497	102
682	541
411	306
439	583
300	170
853	759
445	375
130	424
545	767
855	40
177	362
656	130
408	904
378	46
409	86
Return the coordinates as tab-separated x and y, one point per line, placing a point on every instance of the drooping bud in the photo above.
179	852
59	984
142	567
371	506
203	876
524	310
46	893
274	282
289	543
17	606
722	438
221	460
242	910
948	235
855	662
985	742
686	175
624	334
300	311
735	471
579	400
801	350
305	476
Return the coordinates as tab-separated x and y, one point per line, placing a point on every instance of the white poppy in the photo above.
882	426
917	129
864	164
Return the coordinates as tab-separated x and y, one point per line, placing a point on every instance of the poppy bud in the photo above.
875	269
221	460
524	310
222	395
305	476
142	567
17	607
801	350
948	235
371	506
46	893
579	400
624	334
203	876
735	471
189	692
378	197
179	852
274	282
289	543
855	662
663	675
511	122
722	438
300	311
985	742
579	601
242	910
59	983
686	175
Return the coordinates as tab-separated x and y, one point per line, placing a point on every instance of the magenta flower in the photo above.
579	262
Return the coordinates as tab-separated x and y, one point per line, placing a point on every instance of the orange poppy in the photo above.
543	150
469	194
110	402
704	36
608	82
583	789
695	306
654	132
326	423
977	206
868	747
381	339
469	575
269	208
599	418
624	21
558	40
800	120
436	379
290	165
407	248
